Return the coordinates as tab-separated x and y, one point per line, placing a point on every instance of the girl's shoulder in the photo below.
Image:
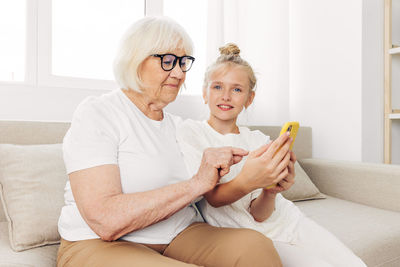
188	129
252	133
174	119
190	126
194	134
255	138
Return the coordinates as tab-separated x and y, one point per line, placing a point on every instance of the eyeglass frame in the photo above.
161	56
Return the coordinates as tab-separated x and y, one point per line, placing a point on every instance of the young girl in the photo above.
241	198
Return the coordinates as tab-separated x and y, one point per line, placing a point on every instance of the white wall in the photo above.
325	74
264	39
38	104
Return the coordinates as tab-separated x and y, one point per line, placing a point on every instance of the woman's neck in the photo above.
144	103
223	127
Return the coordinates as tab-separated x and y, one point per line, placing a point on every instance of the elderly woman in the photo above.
128	198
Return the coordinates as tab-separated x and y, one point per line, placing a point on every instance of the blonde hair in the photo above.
230	56
147	36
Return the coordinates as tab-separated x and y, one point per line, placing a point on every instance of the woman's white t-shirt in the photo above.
193	137
110	129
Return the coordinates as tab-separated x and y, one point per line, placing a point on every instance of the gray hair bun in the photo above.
230	49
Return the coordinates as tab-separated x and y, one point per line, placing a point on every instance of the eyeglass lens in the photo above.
169	62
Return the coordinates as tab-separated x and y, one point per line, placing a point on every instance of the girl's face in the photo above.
228	93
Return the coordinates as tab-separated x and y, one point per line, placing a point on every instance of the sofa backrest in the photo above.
32	132
303	143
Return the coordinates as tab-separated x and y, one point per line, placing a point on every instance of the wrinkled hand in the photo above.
215	163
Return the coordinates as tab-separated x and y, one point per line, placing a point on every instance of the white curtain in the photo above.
223	25
261	30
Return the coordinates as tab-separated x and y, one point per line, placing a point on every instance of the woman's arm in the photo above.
112	214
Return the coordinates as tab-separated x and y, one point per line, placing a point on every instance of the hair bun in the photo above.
230	49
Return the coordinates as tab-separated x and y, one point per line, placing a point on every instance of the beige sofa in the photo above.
361	204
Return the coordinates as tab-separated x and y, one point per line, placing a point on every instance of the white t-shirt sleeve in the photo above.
91	140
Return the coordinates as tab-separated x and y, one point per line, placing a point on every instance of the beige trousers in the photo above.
198	245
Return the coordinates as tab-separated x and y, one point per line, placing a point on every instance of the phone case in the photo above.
292	127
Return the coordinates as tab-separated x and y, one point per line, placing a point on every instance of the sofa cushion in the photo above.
2	216
372	234
32	179
44	256
303	188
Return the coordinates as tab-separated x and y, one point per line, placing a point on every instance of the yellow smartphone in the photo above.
292	127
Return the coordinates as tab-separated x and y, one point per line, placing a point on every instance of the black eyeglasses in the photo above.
168	61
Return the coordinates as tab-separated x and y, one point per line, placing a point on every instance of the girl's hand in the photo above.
263	206
267	165
287	182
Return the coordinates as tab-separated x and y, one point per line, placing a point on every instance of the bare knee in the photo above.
254	249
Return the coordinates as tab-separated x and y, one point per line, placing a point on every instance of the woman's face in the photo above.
228	93
161	86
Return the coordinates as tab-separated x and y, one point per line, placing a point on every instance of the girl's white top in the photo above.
193	138
110	129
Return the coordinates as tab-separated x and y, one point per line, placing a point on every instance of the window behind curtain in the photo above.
80	38
85	35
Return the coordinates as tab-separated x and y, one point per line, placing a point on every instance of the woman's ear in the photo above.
250	99
205	97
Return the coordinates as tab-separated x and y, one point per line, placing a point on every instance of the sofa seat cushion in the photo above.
371	233
42	256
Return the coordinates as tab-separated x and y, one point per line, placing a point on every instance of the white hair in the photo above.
147	36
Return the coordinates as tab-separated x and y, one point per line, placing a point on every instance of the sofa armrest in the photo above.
375	185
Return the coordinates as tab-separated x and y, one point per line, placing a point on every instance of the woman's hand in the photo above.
268	165
216	163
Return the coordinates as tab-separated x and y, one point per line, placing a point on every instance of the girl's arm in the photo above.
226	193
263	206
